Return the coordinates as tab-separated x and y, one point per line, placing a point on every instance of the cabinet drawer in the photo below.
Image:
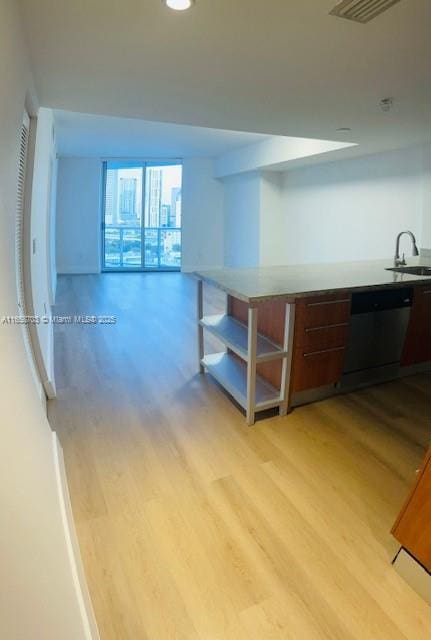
313	369
324	337
417	347
323	310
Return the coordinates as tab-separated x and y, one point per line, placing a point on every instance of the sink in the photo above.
416	271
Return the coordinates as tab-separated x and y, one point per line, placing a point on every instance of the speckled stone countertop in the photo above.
296	281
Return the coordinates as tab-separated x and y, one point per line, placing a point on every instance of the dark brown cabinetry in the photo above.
413	526
321	330
321	334
417	347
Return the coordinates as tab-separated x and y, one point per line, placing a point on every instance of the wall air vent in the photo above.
361	10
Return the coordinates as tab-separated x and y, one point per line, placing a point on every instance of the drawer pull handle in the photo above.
327	326
317	353
321	304
427	293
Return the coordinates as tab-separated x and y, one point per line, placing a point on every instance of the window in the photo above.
142	216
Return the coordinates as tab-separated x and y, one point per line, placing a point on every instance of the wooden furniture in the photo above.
417	347
271	323
290	350
413	526
276	348
321	330
237	369
320	338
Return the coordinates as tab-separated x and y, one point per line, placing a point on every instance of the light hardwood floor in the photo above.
194	526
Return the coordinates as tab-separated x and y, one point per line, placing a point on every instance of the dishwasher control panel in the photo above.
381	300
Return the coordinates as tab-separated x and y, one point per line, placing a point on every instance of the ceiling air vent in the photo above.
361	10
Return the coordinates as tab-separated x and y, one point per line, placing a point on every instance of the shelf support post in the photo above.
289	327
251	364
228	305
200	313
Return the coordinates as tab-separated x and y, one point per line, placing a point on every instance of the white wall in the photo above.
78	215
79	210
202	216
242	220
254	220
353	209
38	599
426	222
334	212
271	220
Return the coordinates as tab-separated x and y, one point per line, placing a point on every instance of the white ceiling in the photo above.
85	135
270	66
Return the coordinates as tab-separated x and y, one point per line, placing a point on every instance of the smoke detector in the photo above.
361	10
386	104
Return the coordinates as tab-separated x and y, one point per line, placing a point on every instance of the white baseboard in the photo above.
78	270
83	596
49	382
199	267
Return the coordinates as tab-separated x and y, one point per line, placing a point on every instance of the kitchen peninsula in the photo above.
296	334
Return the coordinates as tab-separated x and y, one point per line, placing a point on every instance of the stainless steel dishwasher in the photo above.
378	326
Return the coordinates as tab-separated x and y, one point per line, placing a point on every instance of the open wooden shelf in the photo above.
231	373
234	335
236	368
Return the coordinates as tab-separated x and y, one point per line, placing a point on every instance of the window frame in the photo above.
144	162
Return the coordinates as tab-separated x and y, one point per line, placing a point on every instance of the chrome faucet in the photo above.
401	262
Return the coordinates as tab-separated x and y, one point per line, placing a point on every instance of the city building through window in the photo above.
142	216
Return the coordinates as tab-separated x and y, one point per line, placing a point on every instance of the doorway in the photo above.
141	216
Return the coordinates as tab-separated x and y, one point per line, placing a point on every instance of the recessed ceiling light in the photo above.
178	5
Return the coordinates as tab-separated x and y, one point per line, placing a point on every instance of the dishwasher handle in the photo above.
381	300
